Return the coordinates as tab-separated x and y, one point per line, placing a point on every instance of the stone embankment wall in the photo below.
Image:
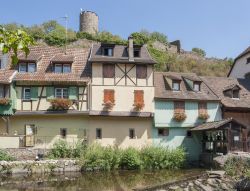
44	166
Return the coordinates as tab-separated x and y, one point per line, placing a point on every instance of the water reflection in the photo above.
90	181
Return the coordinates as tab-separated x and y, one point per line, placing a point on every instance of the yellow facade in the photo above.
115	130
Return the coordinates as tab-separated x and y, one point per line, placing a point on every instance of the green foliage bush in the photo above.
61	149
237	167
100	158
162	158
4	156
130	159
199	51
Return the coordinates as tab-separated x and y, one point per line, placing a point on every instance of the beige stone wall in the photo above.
44	102
115	130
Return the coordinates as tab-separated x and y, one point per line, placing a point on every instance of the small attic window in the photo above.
108	51
176	85
197	86
137	53
235	94
248	60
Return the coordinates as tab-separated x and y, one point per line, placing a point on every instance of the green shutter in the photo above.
73	93
34	93
19	92
50	92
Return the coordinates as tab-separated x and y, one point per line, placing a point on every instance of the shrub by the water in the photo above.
60	149
4	156
100	158
130	159
237	166
162	158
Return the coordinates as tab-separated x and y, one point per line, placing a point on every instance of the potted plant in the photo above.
60	104
4	101
203	116
108	105
138	106
179	116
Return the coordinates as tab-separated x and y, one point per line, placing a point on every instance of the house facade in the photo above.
122	94
182	101
103	94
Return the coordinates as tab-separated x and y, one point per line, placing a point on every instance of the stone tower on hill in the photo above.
89	22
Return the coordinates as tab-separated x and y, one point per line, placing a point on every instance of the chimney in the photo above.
130	48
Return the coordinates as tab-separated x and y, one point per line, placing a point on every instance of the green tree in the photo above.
199	51
140	38
157	36
13	41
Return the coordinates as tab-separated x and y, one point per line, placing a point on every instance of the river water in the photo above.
94	181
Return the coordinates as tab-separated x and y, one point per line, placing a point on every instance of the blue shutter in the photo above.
50	92
73	93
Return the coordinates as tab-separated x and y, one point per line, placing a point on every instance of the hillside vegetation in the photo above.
52	33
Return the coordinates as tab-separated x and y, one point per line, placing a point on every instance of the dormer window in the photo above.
136	53
248	60
197	86
62	68
27	67
108	51
235	94
176	85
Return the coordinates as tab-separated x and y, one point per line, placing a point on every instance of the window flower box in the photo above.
60	104
179	116
138	106
203	116
5	101
108	105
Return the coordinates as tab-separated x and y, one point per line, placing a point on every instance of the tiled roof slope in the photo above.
120	55
218	85
163	90
6	76
45	54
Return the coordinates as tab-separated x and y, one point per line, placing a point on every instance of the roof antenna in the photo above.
66	31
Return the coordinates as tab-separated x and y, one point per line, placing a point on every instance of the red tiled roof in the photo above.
6	76
80	70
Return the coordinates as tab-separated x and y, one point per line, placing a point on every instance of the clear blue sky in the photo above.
220	27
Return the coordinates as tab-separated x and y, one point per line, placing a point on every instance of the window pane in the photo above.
98	133
163	132
58	68
176	86
65	93
196	87
108	51
141	72
31	67
58	93
131	133
66	68
22	67
108	70
235	93
27	93
1	92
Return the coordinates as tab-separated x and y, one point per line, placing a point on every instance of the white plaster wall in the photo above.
240	67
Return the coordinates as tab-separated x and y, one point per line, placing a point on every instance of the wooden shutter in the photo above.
50	92
109	95
73	93
139	96
34	93
108	70
179	106
202	107
141	71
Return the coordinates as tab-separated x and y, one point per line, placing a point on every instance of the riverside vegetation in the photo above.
96	157
52	33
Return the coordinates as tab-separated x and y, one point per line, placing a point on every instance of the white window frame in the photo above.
173	86
63	70
197	85
62	96
24	94
29	64
61	66
20	66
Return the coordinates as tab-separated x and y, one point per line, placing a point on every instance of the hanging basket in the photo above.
4	101
108	105
203	116
138	106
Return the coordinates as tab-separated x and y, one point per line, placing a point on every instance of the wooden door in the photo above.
29	135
